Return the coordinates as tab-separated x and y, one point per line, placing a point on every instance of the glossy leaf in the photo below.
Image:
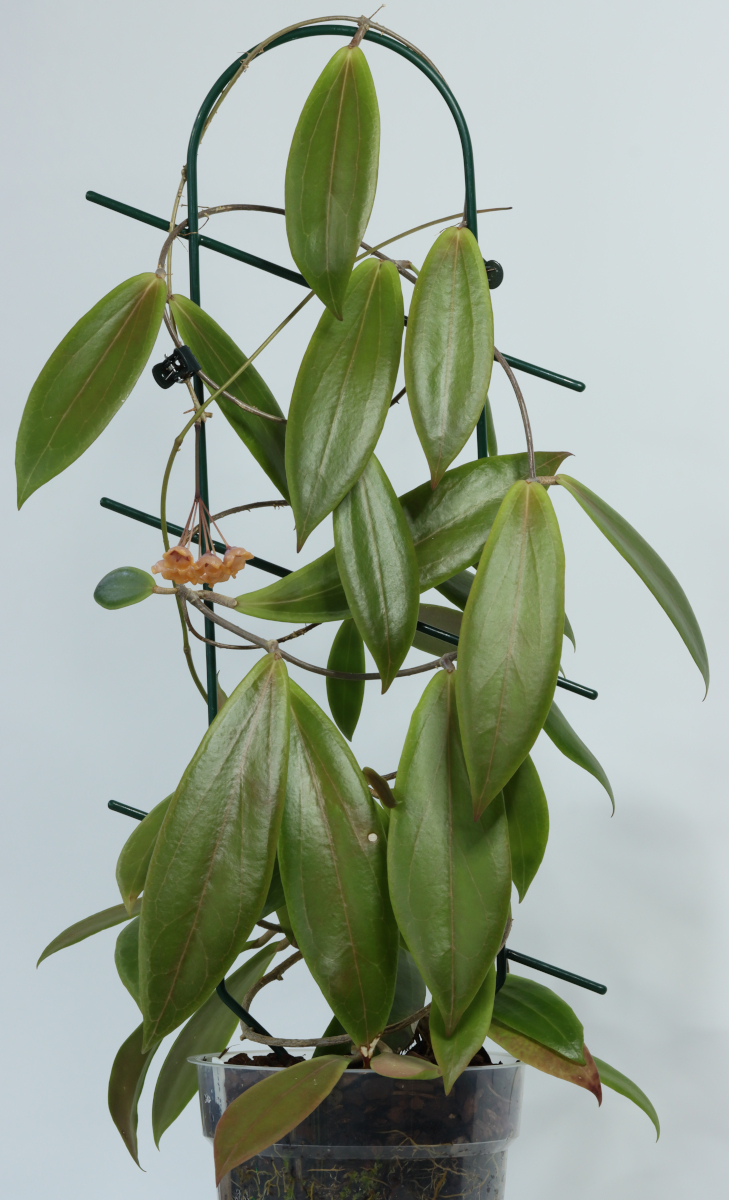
125	1087
538	1013
87	379
378	568
511	638
122	587
106	919
345	696
275	898
454	1053
313	593
410	1066
207	1032
220	357
213	859
335	876
647	565
131	868
331	175
126	958
527	813
534	1055
620	1083
448	619
449	347
458	588
558	728
409	998
450	879
264	1113
342	394
568	632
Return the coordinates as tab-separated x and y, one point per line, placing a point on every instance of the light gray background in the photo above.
604	126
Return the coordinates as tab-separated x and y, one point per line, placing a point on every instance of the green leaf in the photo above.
125	1087
380	787
275	898
335	876
568	633
131	869
213	859
534	1055
441	617
220	357
267	1111
86	380
458	588
106	919
620	1083
334	1029
528	815
538	1013
342	394
558	728
647	565
313	593
449	347
450	879
207	1032
378	568
491	443
411	1066
409	998
125	586
126	958
508	655
345	696
454	1053
331	175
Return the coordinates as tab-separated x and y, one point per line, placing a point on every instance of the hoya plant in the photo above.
276	838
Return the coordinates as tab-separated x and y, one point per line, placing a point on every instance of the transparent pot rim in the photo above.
211	1060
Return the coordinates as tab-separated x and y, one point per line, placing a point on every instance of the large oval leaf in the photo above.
454	1053
342	393
535	1055
220	357
410	1066
449	347
332	854
378	568
264	1113
87	379
558	728
648	565
539	1013
450	879
131	868
126	1081
126	958
122	587
313	593
331	175
106	919
511	638
620	1083
345	696
528	815
213	859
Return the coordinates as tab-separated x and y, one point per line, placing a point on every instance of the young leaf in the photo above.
409	998
106	919
313	593
380	787
213	859
331	175
458	588
528	816
449	347
264	1113
86	380
511	637
558	728
450	879
378	568
448	619
122	587
220	358
333	864
647	564
620	1083
342	393
207	1032
126	958
410	1066
131	869
454	1053
534	1055
568	633
538	1013
125	1087
345	696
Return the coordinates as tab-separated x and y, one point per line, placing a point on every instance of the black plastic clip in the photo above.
180	365
495	273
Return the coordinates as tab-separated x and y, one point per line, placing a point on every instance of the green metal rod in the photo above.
126	210
126	810
252	260
537	965
529	369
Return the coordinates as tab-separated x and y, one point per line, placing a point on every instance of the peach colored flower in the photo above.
235	559
211	569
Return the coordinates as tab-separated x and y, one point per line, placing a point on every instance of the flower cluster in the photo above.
179	566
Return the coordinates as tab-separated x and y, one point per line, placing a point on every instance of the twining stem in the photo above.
178	197
276	974
339	1039
427	225
524	414
187	651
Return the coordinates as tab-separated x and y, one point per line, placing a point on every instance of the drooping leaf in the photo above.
380	787
531	1052
342	393
409	998
313	593
568	632
106	919
334	1029
440	617
87	379
125	1087
620	1083
122	587
265	1112
213	860
332	853
454	1053
647	565
331	175
345	696
378	568
511	638
126	958
131	869
449	347
207	1032
450	879
220	357
558	728
458	589
528	815
538	1013
410	1066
